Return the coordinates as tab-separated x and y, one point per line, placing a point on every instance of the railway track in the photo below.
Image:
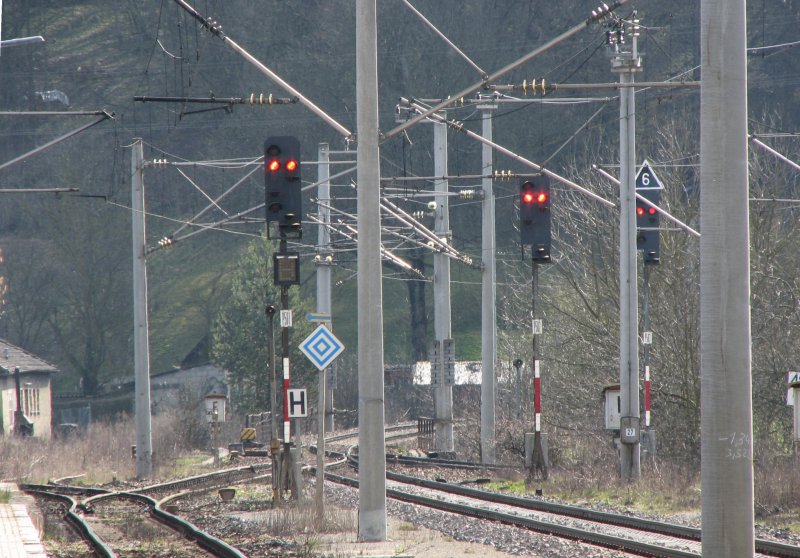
65	507
133	523
616	531
110	522
118	524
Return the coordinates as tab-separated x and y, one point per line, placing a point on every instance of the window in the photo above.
31	401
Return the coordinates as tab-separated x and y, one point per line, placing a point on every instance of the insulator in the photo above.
466	194
456	125
532	86
418	215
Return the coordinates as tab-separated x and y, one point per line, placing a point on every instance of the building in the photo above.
171	389
198	382
27	378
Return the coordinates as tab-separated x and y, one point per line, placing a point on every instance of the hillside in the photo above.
101	56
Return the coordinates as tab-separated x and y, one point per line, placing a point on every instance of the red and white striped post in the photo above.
647	396
538	458
286	421
537	397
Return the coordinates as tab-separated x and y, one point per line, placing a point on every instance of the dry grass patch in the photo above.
302	518
100	453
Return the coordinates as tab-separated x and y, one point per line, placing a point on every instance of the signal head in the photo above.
283	193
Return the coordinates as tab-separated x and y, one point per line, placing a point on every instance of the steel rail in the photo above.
771	548
445	463
763	546
618	520
220	476
354	434
599	539
72	518
63	489
188	530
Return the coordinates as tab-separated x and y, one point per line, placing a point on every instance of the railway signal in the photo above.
283	199
534	212
647	216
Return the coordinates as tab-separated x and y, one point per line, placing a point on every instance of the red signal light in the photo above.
530	197
291	165
274	165
651	210
639	211
527	197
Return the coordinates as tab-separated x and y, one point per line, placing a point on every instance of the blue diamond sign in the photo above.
321	347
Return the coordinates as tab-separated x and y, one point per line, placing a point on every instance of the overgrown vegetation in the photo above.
101	454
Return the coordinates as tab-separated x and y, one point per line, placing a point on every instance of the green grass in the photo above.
5	496
647	496
508	487
188	464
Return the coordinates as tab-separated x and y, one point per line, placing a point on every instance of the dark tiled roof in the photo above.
12	357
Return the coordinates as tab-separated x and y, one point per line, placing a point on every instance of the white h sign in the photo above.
297	403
